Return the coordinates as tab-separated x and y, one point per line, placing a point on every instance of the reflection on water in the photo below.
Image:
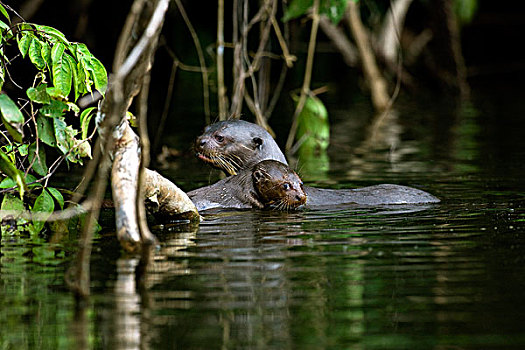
443	276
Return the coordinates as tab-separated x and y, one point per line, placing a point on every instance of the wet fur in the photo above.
248	189
243	145
371	195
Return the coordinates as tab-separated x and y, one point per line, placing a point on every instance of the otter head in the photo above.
277	185
233	145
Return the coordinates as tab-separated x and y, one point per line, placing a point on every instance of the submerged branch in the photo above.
170	202
124	175
131	64
146	236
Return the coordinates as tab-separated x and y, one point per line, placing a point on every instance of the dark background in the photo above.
491	47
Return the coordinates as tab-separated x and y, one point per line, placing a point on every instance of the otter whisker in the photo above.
234	161
228	163
281	205
244	146
225	164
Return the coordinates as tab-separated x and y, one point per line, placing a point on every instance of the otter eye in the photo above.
219	138
286	186
257	141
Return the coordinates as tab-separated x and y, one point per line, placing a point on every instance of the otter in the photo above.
383	194
234	145
268	184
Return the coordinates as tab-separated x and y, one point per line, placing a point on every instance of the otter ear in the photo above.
257	175
257	141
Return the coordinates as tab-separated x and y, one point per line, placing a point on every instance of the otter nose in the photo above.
201	141
300	198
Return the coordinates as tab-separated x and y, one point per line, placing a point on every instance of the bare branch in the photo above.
305	90
221	89
288	58
389	38
378	86
202	62
239	67
165	109
124	86
340	41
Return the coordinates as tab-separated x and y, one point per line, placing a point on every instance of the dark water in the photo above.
445	276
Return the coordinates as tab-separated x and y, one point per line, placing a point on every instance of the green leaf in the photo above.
57	195
4	26
23	149
31	181
51	33
91	67
11	202
4	12
54	109
334	9
85	118
11	117
80	79
57	51
55	93
81	50
7	183
62	75
31	178
465	10
24	41
297	8
35	54
61	135
313	127
8	168
39	94
2	76
46	131
83	71
77	87
38	160
44	203
99	74
46	53
73	107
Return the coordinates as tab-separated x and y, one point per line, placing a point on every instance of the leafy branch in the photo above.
46	119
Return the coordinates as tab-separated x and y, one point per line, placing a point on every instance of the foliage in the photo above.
313	127
47	122
334	9
465	10
313	136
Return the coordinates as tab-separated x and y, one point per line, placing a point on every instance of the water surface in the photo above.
450	275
